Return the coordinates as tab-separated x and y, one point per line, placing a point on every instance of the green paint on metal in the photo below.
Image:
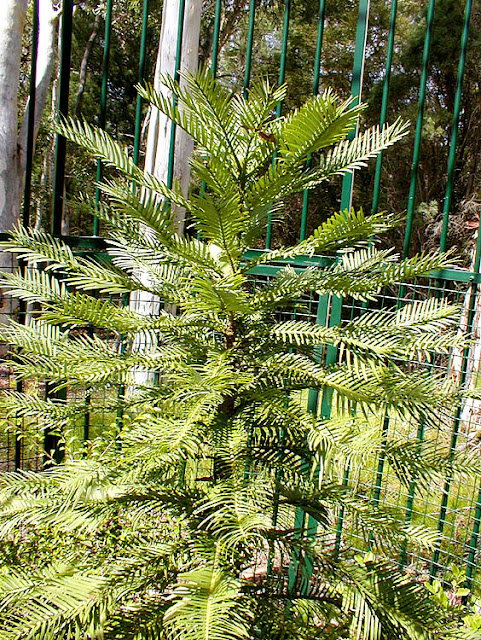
282	76
321	320
250	44
473	543
178	60
138	109
380	465
356	90
340	520
454	135
385	98
329	310
419	129
412	491
31	118
315	91
215	44
103	99
457	418
61	142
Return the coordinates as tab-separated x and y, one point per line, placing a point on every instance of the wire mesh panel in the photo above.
272	41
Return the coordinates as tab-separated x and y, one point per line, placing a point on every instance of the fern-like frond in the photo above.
45	605
322	122
349	155
207	606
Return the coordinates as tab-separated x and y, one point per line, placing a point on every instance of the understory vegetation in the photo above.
212	507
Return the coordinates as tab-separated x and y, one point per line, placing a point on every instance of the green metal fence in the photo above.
454	508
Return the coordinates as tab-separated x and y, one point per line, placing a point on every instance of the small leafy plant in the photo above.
222	490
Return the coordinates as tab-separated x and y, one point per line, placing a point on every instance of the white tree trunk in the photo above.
159	132
12	19
46	53
12	142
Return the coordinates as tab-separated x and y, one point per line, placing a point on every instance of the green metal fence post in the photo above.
103	98
138	108
384	104
282	76
419	129
315	91
31	119
178	60
250	44
356	90
215	38
454	134
61	142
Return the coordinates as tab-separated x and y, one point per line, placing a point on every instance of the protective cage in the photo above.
454	508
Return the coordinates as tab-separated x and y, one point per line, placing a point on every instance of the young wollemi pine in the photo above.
212	514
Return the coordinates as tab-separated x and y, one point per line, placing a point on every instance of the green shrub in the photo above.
212	514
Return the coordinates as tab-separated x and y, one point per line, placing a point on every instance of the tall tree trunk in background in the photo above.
159	131
160	128
83	65
13	143
46	55
12	20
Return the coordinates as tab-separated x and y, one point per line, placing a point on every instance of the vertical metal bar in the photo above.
473	543
419	129
178	57
215	45
328	312
411	493
385	98
356	90
103	99
250	43
18	451
457	418
51	440
31	119
315	91
61	143
340	520
382	458
138	109
282	76
454	134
